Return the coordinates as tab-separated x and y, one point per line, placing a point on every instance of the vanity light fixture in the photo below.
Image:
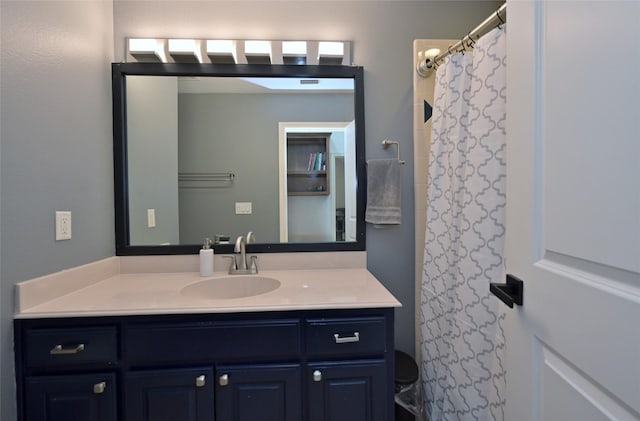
147	49
220	51
330	52
185	50
294	52
223	51
258	52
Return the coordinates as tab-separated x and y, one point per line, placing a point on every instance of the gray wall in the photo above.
56	146
152	128
56	117
238	133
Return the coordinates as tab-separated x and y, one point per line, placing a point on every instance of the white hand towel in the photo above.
384	192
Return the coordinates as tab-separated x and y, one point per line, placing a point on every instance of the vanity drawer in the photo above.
229	341
71	346
346	336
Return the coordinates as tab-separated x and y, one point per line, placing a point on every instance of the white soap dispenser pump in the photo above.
206	258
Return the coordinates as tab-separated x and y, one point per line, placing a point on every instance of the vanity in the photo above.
142	337
140	346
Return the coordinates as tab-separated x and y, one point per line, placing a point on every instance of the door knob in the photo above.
509	293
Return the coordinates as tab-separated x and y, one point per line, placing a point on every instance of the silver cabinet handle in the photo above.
224	380
200	381
99	388
317	376
346	339
59	350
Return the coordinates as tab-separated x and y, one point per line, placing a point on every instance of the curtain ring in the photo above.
500	19
449	50
471	43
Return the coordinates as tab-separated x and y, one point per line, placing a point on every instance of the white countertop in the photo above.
160	293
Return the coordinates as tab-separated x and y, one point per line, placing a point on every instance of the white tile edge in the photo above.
45	288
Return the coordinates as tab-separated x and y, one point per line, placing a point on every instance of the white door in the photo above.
573	210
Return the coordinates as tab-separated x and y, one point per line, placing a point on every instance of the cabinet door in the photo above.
259	392
348	391
87	397
169	395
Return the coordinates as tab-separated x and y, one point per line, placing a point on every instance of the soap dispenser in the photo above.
206	258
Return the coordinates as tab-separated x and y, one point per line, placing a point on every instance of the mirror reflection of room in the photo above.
207	156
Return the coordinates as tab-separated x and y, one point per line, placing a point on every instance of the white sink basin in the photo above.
236	286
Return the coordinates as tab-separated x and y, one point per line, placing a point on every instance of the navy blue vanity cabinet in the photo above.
269	392
65	371
211	338
87	397
348	391
184	394
348	375
303	365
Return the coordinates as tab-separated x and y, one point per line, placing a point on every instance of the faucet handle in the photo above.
233	266
253	267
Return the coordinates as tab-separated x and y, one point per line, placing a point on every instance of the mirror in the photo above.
217	150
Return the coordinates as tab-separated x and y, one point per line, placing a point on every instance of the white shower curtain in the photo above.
462	365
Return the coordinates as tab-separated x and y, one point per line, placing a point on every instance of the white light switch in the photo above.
151	218
243	208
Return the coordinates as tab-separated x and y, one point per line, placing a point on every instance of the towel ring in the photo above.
386	143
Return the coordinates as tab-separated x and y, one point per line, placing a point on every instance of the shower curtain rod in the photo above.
499	17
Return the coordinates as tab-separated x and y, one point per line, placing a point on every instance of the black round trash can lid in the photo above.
406	368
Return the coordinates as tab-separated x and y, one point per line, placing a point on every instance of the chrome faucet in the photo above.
239	264
241	247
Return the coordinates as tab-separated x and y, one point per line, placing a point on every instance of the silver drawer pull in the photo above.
99	388
200	381
224	380
317	376
347	339
59	350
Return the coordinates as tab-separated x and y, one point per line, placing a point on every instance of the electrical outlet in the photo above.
63	225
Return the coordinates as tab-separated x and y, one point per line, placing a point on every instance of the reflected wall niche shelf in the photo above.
307	168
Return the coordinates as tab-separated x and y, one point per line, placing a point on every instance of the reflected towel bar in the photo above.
195	180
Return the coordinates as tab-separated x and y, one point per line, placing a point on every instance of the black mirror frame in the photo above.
120	70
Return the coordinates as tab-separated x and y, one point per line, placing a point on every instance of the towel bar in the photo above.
386	143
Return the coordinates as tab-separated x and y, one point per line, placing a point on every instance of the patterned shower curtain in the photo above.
462	365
